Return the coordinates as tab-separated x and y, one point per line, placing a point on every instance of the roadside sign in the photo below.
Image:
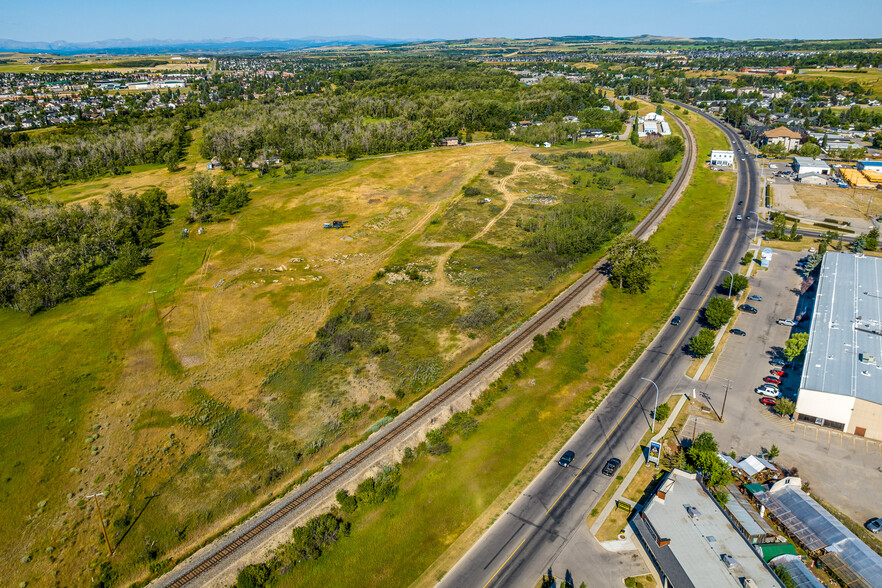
654	453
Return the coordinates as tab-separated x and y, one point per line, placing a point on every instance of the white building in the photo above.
692	543
808	165
841	385
719	157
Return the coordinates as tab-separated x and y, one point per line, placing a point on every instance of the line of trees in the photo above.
50	252
33	165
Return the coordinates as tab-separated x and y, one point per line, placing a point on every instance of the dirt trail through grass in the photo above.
509	197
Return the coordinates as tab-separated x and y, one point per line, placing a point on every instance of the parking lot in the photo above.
842	469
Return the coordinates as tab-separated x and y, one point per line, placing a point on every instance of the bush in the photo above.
748	257
662	412
785	407
254	576
539	343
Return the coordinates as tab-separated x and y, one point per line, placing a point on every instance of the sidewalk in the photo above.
617	495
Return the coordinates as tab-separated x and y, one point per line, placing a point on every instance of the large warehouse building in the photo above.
841	386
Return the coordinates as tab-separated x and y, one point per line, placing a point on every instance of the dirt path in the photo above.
510	199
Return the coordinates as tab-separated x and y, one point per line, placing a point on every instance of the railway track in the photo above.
482	366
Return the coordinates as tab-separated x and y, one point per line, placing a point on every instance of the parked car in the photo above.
874	525
611	466
737	332
768	392
768	401
566	458
786	322
778	362
676	320
779	373
771	380
748	308
755	297
773	166
811	249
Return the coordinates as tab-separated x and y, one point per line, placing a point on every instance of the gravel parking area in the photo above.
843	469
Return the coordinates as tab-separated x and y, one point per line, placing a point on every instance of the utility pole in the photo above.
101	519
723	411
869	202
155	307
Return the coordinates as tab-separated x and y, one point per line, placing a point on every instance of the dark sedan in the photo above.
748	308
566	458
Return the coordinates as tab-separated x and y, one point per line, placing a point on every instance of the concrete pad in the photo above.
587	561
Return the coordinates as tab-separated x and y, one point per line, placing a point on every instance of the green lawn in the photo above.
441	497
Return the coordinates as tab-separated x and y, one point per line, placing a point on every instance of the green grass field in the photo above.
217	408
442	497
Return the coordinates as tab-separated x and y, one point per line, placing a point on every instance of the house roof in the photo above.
782	132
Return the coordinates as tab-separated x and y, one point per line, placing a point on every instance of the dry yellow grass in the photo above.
839	202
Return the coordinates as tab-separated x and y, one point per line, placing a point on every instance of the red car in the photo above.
771	380
769	401
779	373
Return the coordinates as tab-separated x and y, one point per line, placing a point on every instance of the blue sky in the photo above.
92	20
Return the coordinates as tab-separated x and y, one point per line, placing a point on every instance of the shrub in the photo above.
662	412
253	576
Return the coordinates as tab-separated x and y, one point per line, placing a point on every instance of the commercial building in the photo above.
808	165
821	534
693	543
841	385
719	157
869	164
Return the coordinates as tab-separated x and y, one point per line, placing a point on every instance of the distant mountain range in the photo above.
158	46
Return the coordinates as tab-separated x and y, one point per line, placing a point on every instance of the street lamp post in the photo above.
652	425
731	281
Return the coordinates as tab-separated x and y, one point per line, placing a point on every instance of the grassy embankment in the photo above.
174	430
446	502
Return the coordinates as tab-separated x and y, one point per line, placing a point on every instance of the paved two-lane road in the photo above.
524	543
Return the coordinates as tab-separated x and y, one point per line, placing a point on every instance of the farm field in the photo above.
224	379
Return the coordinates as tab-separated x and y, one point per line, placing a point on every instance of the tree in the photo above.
662	412
658	109
702	455
785	407
795	345
631	262
872	240
779	225
794	234
810	150
814	260
634	137
702	344
740	282
718	311
748	257
774	451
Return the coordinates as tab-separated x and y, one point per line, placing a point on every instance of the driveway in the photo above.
842	469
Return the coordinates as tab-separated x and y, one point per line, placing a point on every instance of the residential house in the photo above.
450	141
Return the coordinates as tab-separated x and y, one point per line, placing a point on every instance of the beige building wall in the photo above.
867	416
